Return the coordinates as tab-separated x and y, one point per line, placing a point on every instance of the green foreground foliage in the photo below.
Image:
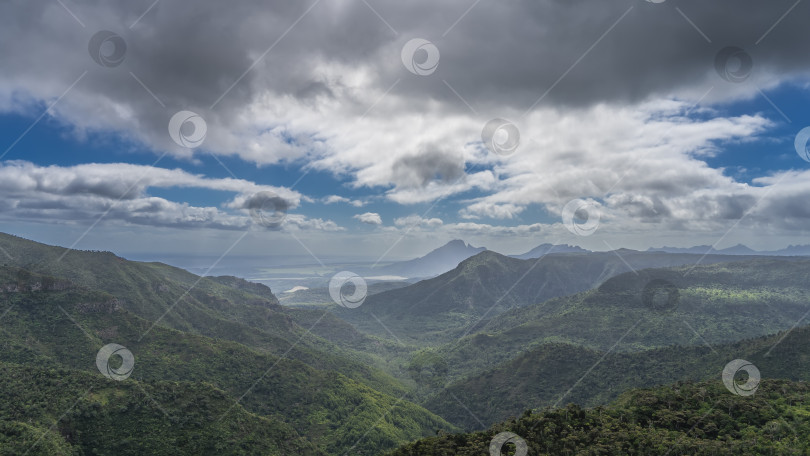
681	419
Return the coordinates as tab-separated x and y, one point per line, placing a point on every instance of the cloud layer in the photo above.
612	102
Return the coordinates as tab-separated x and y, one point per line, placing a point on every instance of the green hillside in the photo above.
716	304
60	411
557	374
219	307
50	323
446	307
680	419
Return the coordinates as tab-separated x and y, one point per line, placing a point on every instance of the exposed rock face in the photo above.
32	284
110	306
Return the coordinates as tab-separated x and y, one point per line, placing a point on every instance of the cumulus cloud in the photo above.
119	193
414	220
333	199
334	92
370	218
605	96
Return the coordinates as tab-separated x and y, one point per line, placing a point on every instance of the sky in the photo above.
381	130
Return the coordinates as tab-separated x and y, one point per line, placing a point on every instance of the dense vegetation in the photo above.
222	368
557	374
51	323
444	308
681	419
716	304
58	411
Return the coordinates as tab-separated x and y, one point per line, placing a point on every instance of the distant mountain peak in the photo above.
548	248
435	262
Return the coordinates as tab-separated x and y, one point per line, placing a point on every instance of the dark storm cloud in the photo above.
431	164
498	54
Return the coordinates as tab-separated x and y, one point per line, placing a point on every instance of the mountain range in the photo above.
439	366
449	255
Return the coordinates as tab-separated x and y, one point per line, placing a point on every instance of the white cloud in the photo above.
370	218
414	220
333	199
119	192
